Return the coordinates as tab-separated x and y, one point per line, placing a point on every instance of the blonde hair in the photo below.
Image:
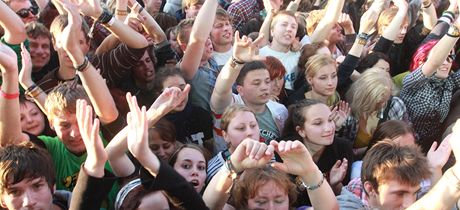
368	91
63	99
230	112
189	3
313	20
316	62
282	13
183	30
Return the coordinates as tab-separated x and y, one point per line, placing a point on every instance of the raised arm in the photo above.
392	30
150	25
298	161
25	79
441	50
446	192
332	14
124	33
198	37
429	14
271	7
92	81
244	50
10	123
15	31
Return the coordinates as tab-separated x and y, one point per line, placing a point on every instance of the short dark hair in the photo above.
25	161
161	75
370	60
248	67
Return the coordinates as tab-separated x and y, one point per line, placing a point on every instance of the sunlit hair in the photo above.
368	91
317	62
253	179
306	52
222	14
189	3
388	161
275	67
296	117
36	29
63	99
386	17
60	22
421	55
279	14
314	17
25	161
390	129
183	30
230	113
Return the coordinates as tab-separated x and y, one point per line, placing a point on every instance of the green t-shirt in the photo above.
268	129
398	79
67	166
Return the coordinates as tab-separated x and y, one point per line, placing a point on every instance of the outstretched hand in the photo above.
90	8
296	158
89	131
338	172
8	60
368	21
251	154
438	157
25	75
245	50
340	113
169	99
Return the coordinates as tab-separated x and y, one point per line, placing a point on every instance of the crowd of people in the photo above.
219	104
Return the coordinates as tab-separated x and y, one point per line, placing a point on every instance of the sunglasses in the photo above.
23	13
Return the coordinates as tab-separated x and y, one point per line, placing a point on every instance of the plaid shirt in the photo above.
356	187
242	11
397	111
428	101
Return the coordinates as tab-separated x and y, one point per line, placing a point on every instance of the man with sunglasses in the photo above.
24	9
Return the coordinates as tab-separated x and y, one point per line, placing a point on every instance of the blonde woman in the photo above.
371	103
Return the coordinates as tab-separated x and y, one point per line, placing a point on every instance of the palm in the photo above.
244	49
296	158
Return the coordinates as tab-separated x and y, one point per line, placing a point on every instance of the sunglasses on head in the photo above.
23	13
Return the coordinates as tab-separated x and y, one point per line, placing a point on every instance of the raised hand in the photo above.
169	99
251	154
346	22
437	157
272	5
340	113
338	172
25	76
138	128
296	158
89	131
8	60
245	50
90	8
68	39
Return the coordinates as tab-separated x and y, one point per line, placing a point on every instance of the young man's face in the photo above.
284	30
24	7
66	128
192	11
40	51
30	193
256	87
222	32
394	195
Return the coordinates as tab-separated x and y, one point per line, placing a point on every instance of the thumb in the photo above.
433	146
280	166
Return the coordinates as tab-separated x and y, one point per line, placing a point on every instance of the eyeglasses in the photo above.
451	57
23	13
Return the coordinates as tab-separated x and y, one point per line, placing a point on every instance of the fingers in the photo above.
337	164
433	147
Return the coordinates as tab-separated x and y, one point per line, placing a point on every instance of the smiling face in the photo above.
18	5
324	81
162	148
191	164
318	128
40	51
32	119
269	196
284	29
444	70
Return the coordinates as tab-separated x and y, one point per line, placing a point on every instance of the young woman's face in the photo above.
443	71
32	119
269	196
324	82
318	128
162	148
276	85
382	64
243	125
176	81
191	165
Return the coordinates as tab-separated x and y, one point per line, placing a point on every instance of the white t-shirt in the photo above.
222	57
289	60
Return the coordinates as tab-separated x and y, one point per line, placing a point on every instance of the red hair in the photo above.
421	55
275	67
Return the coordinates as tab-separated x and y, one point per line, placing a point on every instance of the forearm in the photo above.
116	151
109	43
442	196
392	30
152	27
332	14
121	7
127	35
216	194
322	197
10	128
15	32
40	98
429	17
438	54
222	94
265	29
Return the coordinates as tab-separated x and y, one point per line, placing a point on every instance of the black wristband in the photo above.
83	66
105	17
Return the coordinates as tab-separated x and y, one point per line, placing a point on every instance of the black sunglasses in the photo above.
23	13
